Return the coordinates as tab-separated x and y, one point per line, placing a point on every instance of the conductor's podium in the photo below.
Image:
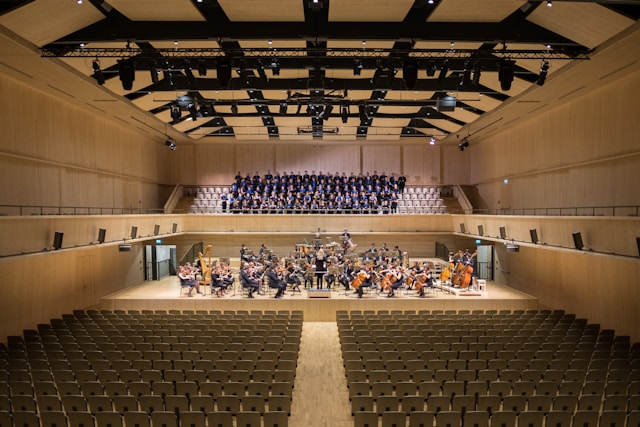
319	293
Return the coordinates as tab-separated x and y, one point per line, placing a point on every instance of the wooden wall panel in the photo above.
421	164
61	160
381	158
583	153
252	158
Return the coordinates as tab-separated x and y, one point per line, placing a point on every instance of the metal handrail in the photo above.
565	211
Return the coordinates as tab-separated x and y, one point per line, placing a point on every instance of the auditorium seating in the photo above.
143	368
498	368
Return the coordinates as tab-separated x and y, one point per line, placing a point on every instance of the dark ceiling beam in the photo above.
119	28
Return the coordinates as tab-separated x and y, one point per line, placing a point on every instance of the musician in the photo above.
427	283
216	281
252	284
274	278
244	253
292	278
187	276
368	280
347	276
397	279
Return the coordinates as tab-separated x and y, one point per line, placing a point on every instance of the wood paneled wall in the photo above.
583	153
53	153
217	164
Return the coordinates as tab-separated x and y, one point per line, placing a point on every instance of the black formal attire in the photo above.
367	283
249	282
276	282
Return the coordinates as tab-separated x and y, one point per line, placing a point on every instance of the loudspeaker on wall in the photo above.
462	228
102	235
134	232
156	229
503	233
534	235
57	240
577	240
174	228
480	230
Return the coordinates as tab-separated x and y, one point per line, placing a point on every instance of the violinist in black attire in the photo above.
276	282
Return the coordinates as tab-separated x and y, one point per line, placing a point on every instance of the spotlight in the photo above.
166	74
344	113
193	111
410	73
326	113
477	71
275	66
234	108
357	67
154	72
172	145
97	72
432	67
127	72
443	71
432	141
175	114
505	73
191	80
283	108
544	70
464	144
362	111
202	68
261	73
223	69
549	3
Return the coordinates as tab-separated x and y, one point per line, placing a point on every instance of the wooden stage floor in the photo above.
165	294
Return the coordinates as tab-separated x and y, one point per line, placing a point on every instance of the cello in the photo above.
446	273
359	279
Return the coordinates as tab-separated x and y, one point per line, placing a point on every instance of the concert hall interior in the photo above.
138	136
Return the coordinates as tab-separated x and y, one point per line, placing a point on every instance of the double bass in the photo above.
457	274
466	277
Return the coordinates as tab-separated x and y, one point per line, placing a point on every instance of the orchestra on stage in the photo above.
338	266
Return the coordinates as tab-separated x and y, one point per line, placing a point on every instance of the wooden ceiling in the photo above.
343	66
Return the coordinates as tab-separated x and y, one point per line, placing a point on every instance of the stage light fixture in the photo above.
549	3
234	108
357	67
444	69
175	114
172	145
97	72
326	113
275	66
544	70
127	72
362	112
193	112
283	108
432	67
261	73
223	70
202	68
505	73
191	80
344	113
410	73
463	145
432	141
477	71
153	71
